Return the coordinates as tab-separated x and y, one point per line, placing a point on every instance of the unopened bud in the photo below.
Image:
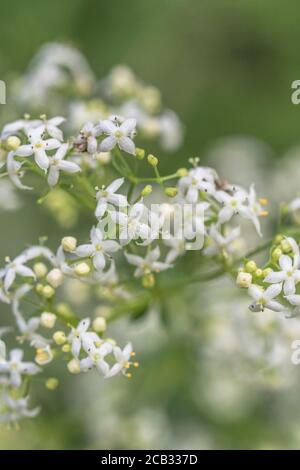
244	279
259	273
99	324
140	153
82	269
182	172
66	348
285	246
13	142
267	271
40	270
74	366
152	160
276	254
278	239
59	338
51	383
250	266
69	244
171	192
48	319
48	291
55	277
146	190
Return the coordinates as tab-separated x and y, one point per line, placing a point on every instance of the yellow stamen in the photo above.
264	213
136	364
263	201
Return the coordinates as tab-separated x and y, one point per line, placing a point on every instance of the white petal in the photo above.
128	126
285	262
53	176
107	127
273	291
99	261
107	144
24	151
127	145
41	159
85	250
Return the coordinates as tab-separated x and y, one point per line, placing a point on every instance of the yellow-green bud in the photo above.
250	266
74	366
59	338
244	279
69	244
285	246
276	254
13	142
278	239
66	348
267	271
152	160
82	269
103	157
182	172
48	291
171	192
99	324
55	277
40	270
52	383
48	319
103	311
146	190
140	153
259	273
39	288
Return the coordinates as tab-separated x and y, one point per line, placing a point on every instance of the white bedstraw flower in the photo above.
81	338
264	298
88	135
148	264
131	226
123	360
221	242
50	127
289	275
96	359
232	204
38	147
107	196
16	267
118	135
97	249
16	368
177	246
14	170
255	209
198	179
57	164
16	409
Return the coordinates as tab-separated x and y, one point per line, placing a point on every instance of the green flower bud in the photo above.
146	190
152	160
171	192
250	266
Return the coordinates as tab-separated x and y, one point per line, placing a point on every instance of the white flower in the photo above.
177	245
14	127
87	138
232	204
198	179
16	267
290	275
96	358
81	338
264	298
97	249
50	127
255	210
107	196
131	226
57	164
194	219
16	409
148	264
16	368
118	135
38	147
221	242
122	357
14	171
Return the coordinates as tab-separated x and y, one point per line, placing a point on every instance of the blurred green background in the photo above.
226	68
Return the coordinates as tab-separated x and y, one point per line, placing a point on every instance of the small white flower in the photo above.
131	226
57	164
16	267
123	360
14	171
118	135
16	368
177	245
16	409
289	275
107	196
38	147
81	338
232	204
96	359
87	140
264	298
198	179
221	242
97	249
148	264
50	127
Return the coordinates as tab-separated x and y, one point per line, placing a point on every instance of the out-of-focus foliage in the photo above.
214	375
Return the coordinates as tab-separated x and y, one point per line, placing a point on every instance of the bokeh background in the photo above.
213	375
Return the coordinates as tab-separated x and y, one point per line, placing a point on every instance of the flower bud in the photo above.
140	153
103	311
43	356
182	172
103	157
146	190
74	366
69	244
59	338
82	269
48	291
171	192
39	288
244	279
66	348
278	239
250	266
285	246
99	324
266	272
276	254
51	383
13	142
40	270
259	273
55	277
152	160
48	319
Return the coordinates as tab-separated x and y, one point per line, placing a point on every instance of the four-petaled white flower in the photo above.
97	249
16	368
148	264
232	204
14	170
265	298
17	409
123	360
221	242
289	275
107	196
96	358
198	179
80	337
38	147
50	127
131	226
16	267
57	164
120	135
